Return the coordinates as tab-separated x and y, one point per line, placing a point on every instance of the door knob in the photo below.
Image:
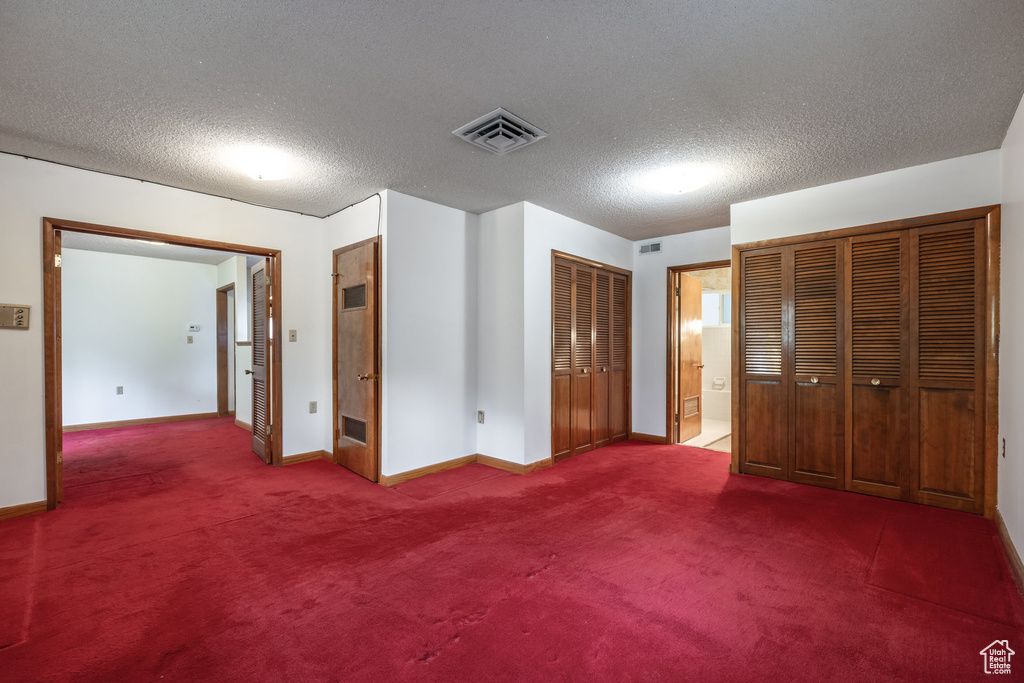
366	377
248	372
814	380
700	366
875	381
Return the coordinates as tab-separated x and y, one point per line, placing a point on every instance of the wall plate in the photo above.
14	316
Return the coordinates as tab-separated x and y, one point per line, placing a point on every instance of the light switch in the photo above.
14	316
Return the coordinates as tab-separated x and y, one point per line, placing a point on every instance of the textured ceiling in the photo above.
364	94
132	247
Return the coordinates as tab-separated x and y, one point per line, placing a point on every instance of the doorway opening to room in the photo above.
138	331
700	355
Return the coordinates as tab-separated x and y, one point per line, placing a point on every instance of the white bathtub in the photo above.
717	405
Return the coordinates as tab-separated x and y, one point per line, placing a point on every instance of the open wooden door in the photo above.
261	315
357	359
689	360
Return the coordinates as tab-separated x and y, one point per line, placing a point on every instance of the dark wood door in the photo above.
878	323
357	374
583	334
618	392
689	361
261	317
561	358
764	400
813	285
602	359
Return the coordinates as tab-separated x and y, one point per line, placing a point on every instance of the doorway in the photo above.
54	233
226	340
700	355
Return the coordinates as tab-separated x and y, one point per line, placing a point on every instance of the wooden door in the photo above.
689	361
947	361
764	407
618	402
561	358
813	285
602	359
582	392
357	359
877	360
261	317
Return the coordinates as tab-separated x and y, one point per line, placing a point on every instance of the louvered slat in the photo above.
619	323
259	407
814	301
562	358
259	330
584	318
602	345
762	314
876	302
947	314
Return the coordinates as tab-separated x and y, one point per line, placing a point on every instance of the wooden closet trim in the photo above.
587	262
671	431
991	215
52	229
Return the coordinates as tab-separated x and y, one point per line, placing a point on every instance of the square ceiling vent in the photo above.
500	132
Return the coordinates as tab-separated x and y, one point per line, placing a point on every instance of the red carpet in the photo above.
179	556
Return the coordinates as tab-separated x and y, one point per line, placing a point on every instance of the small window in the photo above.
353	297
710	308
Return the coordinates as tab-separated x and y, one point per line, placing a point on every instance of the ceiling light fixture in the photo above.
681	178
161	244
261	163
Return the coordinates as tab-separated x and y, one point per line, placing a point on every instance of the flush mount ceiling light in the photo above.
681	178
261	163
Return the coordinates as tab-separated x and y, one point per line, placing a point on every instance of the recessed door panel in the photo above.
764	434
947	443
816	436
876	463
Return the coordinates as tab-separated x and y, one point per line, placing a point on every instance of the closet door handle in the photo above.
814	380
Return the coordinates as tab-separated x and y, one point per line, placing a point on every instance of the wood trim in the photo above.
671	409
25	509
244	425
513	467
1012	556
648	437
587	262
901	224
991	366
141	421
223	343
392	479
52	228
734	466
306	457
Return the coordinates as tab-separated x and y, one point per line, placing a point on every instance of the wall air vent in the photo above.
650	248
500	132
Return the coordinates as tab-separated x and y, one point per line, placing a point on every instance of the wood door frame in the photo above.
990	368
378	369
223	349
52	358
671	372
555	254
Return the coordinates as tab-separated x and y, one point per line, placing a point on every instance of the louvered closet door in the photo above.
602	358
877	363
618	402
763	396
583	312
816	426
947	341
261	317
561	358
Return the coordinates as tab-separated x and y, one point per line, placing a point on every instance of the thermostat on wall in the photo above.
14	316
193	328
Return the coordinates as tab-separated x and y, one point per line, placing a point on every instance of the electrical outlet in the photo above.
312	406
293	335
480	416
120	391
188	339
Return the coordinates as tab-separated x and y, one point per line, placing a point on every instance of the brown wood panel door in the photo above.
764	401
583	359
561	358
947	343
357	358
816	420
261	325
602	358
690	356
618	403
877	319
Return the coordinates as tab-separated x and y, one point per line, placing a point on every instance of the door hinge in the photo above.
268	283
56	260
270	429
677	418
678	291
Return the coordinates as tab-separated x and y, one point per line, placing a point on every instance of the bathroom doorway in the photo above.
700	355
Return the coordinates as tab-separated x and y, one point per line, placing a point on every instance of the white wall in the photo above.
500	320
33	189
123	325
1011	337
650	317
544	231
950	185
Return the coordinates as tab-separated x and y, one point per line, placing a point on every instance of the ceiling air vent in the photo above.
500	132
650	248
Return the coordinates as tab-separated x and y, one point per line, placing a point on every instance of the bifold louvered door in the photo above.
261	316
863	363
589	360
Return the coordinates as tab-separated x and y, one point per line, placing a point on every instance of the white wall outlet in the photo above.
480	416
188	339
293	335
120	391
312	406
